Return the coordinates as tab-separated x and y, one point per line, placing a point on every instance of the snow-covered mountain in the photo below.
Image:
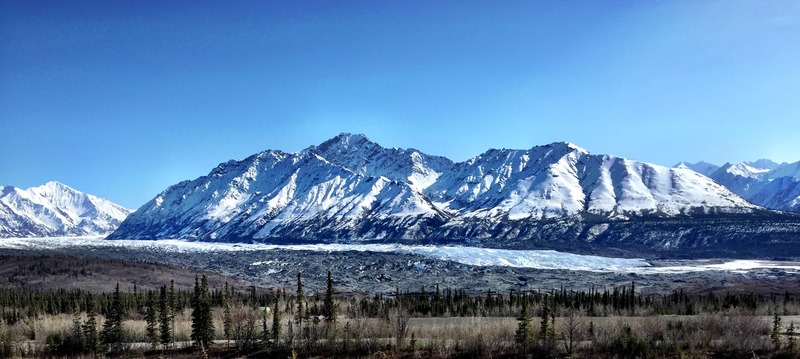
765	183
351	188
54	209
762	182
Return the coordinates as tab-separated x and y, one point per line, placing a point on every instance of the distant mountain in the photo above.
771	185
352	189
55	209
701	167
762	182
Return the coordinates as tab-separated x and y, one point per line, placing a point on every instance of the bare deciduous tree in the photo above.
572	329
399	317
245	322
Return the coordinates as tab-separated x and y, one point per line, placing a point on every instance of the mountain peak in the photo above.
563	146
55	189
347	136
572	146
55	185
345	142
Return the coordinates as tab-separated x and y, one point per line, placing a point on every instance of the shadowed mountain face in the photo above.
55	209
349	188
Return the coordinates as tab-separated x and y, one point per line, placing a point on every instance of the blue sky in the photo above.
124	98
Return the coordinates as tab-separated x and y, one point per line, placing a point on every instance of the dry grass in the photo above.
691	336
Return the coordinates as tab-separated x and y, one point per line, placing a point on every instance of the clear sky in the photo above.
123	98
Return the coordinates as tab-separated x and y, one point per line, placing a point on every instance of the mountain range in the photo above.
763	182
558	196
350	189
54	209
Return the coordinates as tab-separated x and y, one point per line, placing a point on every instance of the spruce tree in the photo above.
92	339
227	320
74	341
165	316
544	330
791	344
151	318
524	334
112	328
776	332
208	319
299	298
202	321
197	317
172	301
329	307
265	334
276	323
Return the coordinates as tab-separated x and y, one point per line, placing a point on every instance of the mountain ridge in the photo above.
351	189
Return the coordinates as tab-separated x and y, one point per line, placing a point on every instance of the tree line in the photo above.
283	322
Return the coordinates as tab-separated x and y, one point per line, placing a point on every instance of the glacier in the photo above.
473	256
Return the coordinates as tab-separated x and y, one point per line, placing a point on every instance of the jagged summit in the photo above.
569	145
55	209
351	187
346	141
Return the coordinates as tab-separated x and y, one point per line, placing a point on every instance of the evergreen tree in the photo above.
329	307
172	301
276	323
74	342
776	332
151	318
227	320
265	334
299	298
791	345
545	330
524	334
202	321
165	318
112	328
197	319
92	339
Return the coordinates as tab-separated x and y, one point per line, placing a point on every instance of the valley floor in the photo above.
368	323
369	268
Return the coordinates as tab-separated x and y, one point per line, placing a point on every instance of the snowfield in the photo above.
474	256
